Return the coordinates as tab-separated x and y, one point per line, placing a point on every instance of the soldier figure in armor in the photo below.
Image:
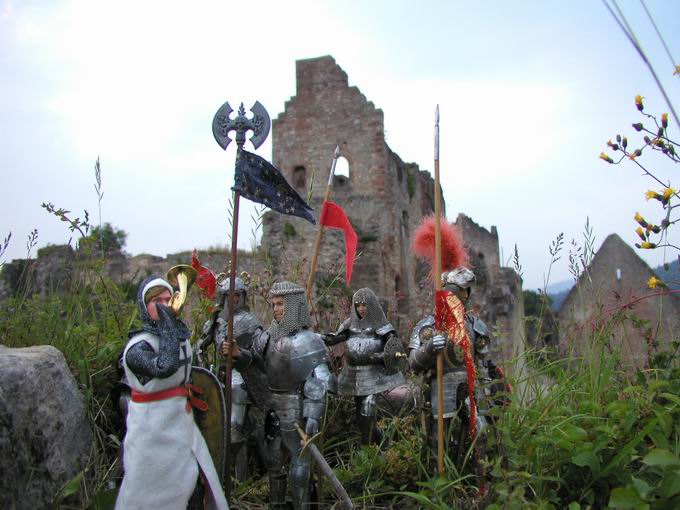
295	361
372	364
426	343
247	327
164	449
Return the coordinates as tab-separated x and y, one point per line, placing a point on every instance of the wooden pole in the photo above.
319	234
438	287
230	338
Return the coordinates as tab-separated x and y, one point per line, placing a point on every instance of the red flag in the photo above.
333	216
205	280
450	317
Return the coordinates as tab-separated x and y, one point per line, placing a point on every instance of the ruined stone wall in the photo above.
384	197
617	280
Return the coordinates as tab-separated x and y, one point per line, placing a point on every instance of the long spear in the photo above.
438	287
222	124
319	234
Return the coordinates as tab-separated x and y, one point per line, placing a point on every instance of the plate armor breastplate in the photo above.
291	359
360	346
361	376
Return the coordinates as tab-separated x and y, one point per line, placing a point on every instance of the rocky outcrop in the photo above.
45	437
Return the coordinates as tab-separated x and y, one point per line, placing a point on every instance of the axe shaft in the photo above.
326	470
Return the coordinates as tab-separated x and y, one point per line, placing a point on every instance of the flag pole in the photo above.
230	336
319	234
438	287
222	124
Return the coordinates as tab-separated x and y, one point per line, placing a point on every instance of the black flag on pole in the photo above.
258	180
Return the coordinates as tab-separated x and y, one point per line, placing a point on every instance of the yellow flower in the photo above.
677	70
640	233
664	120
647	245
606	158
652	194
654	282
638	102
667	193
638	217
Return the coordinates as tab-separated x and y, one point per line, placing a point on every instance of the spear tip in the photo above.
436	115
336	154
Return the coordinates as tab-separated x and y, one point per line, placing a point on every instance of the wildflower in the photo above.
638	126
667	194
654	282
624	142
652	194
606	158
638	217
647	245
614	146
641	233
653	228
638	102
664	120
635	154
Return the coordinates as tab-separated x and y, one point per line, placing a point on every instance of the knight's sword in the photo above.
221	126
307	444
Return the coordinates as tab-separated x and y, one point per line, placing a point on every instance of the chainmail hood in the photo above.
374	317
144	287
295	311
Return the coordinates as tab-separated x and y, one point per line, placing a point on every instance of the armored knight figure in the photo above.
243	393
374	359
295	361
164	449
426	343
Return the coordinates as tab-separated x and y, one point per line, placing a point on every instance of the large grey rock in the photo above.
45	437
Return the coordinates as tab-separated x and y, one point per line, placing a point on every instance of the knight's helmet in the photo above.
239	287
456	276
459	281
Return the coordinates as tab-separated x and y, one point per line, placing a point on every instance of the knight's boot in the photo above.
367	418
368	429
277	491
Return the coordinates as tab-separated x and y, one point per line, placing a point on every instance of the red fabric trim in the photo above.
333	216
178	391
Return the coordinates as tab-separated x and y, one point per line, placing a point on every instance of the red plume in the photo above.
453	250
205	280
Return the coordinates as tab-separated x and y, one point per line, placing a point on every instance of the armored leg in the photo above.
367	411
239	412
277	472
300	467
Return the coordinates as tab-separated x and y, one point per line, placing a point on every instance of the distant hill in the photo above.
558	291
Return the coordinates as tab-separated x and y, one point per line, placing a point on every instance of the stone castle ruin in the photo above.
384	197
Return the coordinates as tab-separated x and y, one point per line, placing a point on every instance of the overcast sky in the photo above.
529	93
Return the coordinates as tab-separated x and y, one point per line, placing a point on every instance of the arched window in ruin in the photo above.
341	176
299	178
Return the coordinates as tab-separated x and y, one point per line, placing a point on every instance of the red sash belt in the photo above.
178	391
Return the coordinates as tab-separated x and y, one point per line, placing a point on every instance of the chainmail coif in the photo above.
374	317
295	311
